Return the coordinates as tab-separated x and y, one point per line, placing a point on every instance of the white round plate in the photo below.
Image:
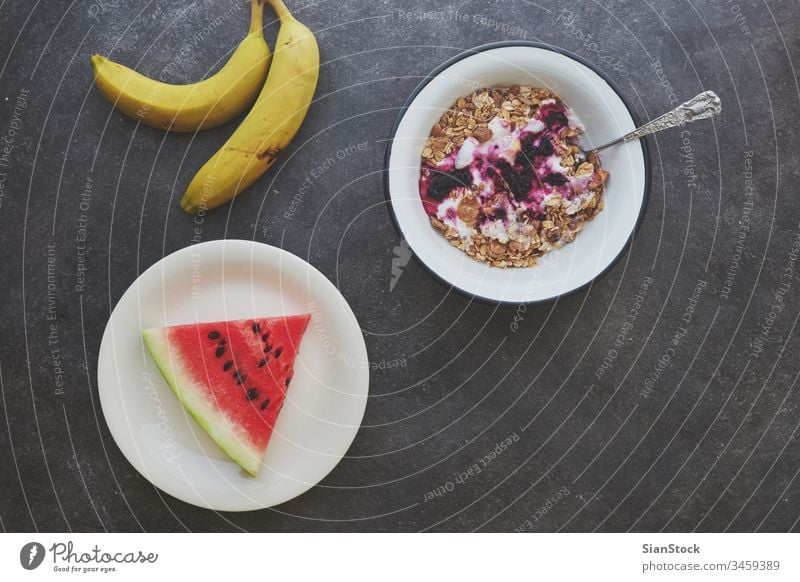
222	280
603	114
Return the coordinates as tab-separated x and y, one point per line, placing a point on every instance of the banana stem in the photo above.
280	9
256	17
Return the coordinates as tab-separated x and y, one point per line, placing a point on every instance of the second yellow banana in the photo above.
272	123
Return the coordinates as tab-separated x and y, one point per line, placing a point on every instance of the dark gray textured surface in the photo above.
713	446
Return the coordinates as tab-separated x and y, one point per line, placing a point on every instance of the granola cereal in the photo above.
503	179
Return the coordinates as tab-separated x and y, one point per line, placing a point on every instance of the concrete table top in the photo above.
611	409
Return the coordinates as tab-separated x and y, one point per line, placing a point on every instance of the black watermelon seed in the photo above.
262	363
223	341
267	349
278	353
220	351
213	335
227	365
252	394
265	404
256	328
265	337
240	379
289	379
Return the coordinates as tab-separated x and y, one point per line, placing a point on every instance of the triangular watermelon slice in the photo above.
231	376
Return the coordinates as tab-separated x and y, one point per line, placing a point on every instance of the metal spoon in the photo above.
704	106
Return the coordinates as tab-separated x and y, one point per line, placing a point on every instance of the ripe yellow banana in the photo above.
208	103
271	124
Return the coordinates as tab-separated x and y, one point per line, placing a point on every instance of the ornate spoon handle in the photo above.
703	106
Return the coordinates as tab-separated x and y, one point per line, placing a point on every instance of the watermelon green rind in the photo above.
236	446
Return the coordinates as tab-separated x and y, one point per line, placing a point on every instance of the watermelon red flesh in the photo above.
232	376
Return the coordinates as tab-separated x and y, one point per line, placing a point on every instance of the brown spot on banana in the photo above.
244	152
270	153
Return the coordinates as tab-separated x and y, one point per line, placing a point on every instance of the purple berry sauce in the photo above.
513	171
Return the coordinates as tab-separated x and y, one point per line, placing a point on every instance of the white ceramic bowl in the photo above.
604	115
